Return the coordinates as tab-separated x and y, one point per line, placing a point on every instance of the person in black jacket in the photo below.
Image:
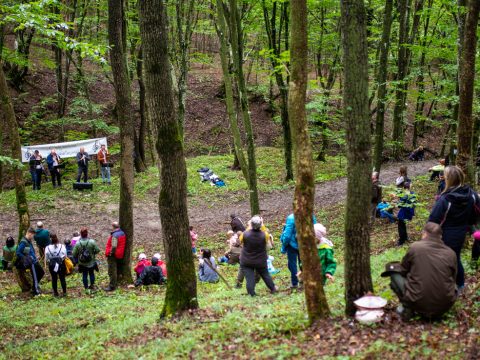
254	256
455	211
36	169
236	223
82	161
151	275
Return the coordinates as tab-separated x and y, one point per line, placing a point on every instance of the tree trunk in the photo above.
181	291
2	131
16	150
116	34
466	84
317	306
358	280
142	132
382	85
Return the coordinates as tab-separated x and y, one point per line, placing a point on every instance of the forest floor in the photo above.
229	324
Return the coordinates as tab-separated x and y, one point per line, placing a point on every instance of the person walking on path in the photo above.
456	211
85	251
55	254
115	251
27	260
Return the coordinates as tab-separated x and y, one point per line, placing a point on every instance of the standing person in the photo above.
42	238
36	169
82	161
406	203
290	247
325	253
103	157
254	256
376	193
236	223
8	254
455	212
193	238
27	260
115	251
55	255
53	161
85	252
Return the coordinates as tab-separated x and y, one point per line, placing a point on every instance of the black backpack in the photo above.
85	255
55	262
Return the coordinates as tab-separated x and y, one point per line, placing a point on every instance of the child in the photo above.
475	247
161	264
194	238
76	237
207	267
232	256
8	254
271	268
441	185
69	247
325	252
403	178
406	204
142	264
385	211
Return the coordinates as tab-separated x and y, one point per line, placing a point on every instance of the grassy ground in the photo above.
125	325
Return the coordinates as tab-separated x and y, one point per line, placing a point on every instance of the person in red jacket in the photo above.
115	251
143	262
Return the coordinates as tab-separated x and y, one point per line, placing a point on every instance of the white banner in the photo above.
65	149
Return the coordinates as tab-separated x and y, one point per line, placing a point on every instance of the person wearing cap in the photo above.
115	251
142	263
151	275
27	260
8	253
42	238
161	263
424	280
253	257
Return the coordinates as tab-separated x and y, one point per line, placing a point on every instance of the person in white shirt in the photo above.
55	255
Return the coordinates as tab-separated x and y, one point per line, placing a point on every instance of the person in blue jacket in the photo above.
290	247
53	162
27	259
406	204
456	211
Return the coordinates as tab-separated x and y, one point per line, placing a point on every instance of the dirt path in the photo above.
210	220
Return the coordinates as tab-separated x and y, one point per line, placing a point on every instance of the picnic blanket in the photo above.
208	175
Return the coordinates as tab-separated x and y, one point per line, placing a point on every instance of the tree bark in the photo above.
142	132
16	150
303	205
466	87
358	279
116	34
382	85
181	291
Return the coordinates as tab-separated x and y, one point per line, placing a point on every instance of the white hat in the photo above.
142	256
158	256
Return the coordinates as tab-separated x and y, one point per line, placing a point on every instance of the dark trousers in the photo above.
37	275
249	272
59	275
402	232
82	170
33	174
114	267
88	272
38	178
55	174
293	258
460	270
476	250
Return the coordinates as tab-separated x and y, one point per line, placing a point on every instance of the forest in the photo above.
239	179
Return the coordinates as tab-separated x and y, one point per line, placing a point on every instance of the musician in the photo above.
82	161
53	162
36	169
103	157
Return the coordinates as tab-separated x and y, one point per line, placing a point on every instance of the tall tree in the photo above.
117	39
466	87
181	291
384	47
303	204
358	280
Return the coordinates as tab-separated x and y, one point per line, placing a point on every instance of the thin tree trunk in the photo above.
382	85
116	33
317	306
466	82
181	291
358	280
142	132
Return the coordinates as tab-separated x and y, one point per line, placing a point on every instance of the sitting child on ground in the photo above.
193	238
8	254
207	267
151	275
232	256
142	263
161	264
325	252
385	211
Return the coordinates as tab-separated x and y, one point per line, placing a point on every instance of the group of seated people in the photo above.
150	272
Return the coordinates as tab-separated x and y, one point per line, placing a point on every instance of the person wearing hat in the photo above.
151	275
142	263
325	253
42	239
8	254
161	263
424	280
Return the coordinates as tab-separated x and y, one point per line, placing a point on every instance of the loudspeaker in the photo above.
82	186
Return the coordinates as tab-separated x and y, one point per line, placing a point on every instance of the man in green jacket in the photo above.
42	238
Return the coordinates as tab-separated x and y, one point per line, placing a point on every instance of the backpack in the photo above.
55	262
85	254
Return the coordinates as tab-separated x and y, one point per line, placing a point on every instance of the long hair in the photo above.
454	177
54	238
403	170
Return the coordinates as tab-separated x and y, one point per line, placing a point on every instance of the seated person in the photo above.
425	279
232	256
207	267
437	169
417	154
8	253
325	252
143	262
385	211
151	275
161	264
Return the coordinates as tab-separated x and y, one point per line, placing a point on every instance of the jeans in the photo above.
55	174
402	232
293	258
105	171
86	272
38	178
33	174
59	275
37	275
82	170
249	272
114	267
